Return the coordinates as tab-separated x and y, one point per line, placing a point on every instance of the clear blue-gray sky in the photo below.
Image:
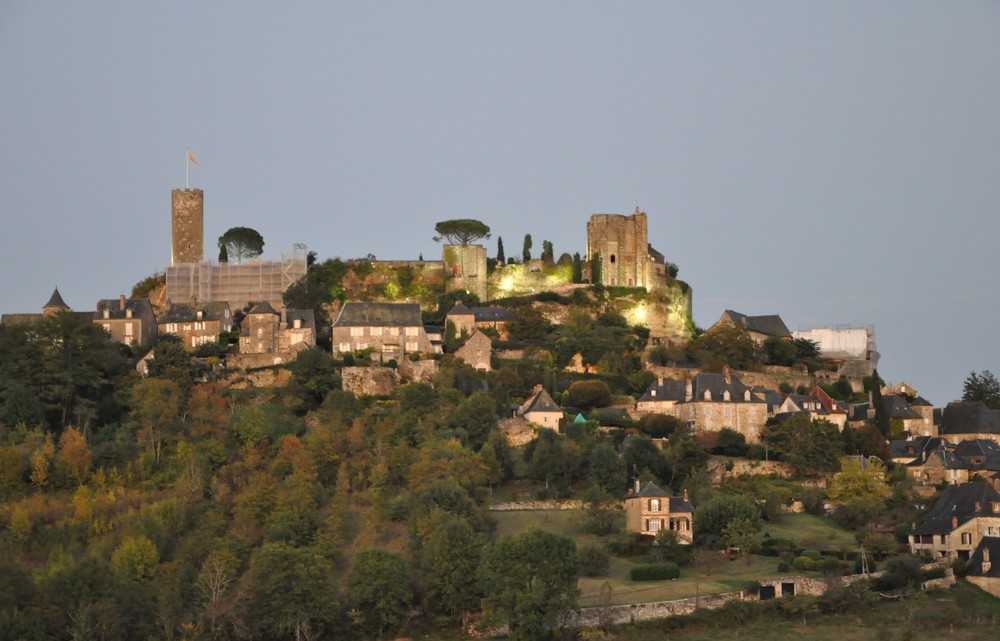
828	162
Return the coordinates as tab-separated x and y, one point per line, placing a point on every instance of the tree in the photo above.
577	268
526	248
712	517
588	394
984	387
241	242
378	588
461	231
859	490
607	470
135	559
156	406
742	533
548	253
725	345
595	270
450	552
529	580
810	447
501	258
290	591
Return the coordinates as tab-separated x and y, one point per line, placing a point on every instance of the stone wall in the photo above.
517	430
421	371
465	268
514	506
370	381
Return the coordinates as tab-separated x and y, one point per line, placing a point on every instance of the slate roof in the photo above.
974	567
969	417
139	307
770	325
654	255
920	401
920	445
769	396
648	489
493	314
56	300
671	390
897	407
984	450
859	412
459	310
958	502
187	313
307	316
379	315
540	401
262	307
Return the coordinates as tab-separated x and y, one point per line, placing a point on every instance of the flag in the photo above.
191	159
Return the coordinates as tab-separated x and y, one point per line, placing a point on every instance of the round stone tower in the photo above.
188	226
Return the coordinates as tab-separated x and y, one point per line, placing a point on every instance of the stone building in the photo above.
958	521
540	409
267	331
621	243
707	403
469	319
760	328
196	323
127	320
390	330
969	419
649	509
187	224
477	351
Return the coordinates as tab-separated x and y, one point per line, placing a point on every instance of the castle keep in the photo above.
621	243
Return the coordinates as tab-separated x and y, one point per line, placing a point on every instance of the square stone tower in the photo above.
622	242
187	226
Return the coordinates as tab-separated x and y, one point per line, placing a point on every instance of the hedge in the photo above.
655	572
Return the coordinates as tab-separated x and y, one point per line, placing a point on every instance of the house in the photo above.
649	509
817	404
477	351
903	419
127	320
469	319
959	520
760	328
980	570
196	323
707	403
969	419
267	331
390	330
914	450
540	409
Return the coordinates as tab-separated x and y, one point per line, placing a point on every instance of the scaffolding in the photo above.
238	284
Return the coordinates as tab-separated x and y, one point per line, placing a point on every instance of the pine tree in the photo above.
526	251
501	259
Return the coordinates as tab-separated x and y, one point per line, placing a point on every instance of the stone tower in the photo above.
465	268
622	242
188	226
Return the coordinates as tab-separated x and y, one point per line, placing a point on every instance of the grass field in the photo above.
811	531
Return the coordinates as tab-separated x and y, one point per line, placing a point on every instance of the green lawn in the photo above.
562	522
811	531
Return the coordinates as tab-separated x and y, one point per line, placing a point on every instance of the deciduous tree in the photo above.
379	589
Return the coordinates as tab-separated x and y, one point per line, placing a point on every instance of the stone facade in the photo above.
187	226
129	321
649	510
196	323
465	268
477	352
622	243
390	330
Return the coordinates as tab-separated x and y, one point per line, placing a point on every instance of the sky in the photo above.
833	163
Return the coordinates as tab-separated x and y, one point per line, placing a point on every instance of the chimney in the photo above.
637	485
954	522
121	302
688	390
659	381
986	559
725	372
685	494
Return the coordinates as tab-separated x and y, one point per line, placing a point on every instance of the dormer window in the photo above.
200	314
707	395
128	313
107	313
652	392
297	323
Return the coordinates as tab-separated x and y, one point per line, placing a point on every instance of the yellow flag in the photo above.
191	159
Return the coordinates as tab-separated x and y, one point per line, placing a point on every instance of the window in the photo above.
171	327
344	347
966	538
376	331
107	327
654	525
357	331
393	331
654	505
411	331
411	346
128	329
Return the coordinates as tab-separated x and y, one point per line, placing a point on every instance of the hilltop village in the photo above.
532	446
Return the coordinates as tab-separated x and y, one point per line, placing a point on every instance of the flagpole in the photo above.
187	168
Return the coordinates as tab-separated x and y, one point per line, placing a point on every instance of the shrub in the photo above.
655	572
783	567
593	560
621	543
804	563
815	555
831	566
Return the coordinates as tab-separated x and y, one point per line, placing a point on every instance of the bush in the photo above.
815	555
656	572
593	560
783	567
804	563
831	566
414	356
621	544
